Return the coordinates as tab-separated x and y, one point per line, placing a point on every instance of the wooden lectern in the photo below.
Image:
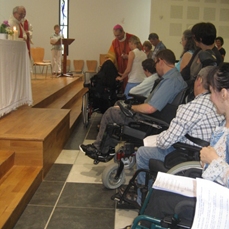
66	42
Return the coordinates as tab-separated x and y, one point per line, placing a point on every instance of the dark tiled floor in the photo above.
82	218
77	136
34	217
74	205
89	132
59	204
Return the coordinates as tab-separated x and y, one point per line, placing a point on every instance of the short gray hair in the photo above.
15	9
203	74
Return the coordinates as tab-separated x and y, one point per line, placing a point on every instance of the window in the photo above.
63	17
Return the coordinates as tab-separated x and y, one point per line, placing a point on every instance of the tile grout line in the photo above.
54	207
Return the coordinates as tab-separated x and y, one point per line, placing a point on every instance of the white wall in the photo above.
91	22
170	18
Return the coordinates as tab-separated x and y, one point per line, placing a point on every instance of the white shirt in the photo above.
137	74
145	87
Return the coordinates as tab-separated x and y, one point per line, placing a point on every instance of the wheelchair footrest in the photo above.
126	205
125	201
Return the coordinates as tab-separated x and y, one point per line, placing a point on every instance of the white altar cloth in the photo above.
15	80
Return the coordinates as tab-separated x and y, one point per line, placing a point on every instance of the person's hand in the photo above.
124	56
207	155
119	78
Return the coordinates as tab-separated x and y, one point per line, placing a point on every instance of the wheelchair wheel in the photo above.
85	110
129	162
182	167
108	177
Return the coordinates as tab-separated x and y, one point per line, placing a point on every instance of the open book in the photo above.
212	206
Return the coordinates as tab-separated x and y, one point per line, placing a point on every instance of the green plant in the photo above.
4	26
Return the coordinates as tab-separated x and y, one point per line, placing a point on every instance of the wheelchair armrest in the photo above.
140	116
185	146
126	109
137	98
182	153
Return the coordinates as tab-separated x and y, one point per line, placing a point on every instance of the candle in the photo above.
15	35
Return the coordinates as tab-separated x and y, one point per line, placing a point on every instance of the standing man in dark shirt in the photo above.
158	45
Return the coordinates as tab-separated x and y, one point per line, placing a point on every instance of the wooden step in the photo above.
68	98
6	162
17	187
46	92
76	110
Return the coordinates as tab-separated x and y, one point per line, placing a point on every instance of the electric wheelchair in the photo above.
133	134
182	154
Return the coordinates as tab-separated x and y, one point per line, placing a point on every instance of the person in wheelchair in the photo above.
214	158
170	85
197	118
145	87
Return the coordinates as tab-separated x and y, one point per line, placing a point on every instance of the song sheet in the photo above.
150	141
178	184
212	206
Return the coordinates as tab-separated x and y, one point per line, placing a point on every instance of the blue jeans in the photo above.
128	87
143	155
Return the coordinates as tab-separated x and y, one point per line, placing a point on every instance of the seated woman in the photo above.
147	48
134	70
188	49
219	43
214	158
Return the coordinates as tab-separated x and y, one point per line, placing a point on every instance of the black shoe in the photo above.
92	152
89	150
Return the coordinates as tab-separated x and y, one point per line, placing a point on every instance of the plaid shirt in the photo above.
197	118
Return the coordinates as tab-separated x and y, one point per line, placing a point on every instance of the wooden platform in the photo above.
31	138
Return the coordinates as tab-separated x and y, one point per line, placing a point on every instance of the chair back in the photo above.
180	97
78	66
91	65
169	111
102	58
37	54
